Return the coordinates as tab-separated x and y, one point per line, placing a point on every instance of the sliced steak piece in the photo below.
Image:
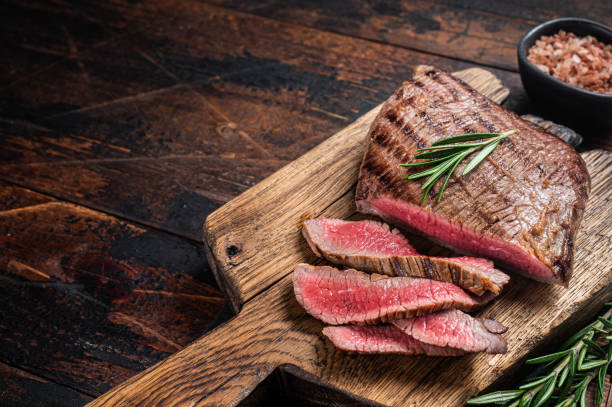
372	246
521	206
457	330
382	339
350	296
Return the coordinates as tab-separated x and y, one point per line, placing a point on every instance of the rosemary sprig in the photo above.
447	155
584	358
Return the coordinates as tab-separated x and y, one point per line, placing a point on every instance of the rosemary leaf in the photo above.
534	383
600	330
583	390
464	137
526	400
453	146
437	160
545	393
601	382
592	364
581	356
436	154
548	358
450	172
572	370
570	376
564	374
578	335
447	154
442	168
565	403
605	321
583	398
429	171
484	153
496	397
594	346
425	194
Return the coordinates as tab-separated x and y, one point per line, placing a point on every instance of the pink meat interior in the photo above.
461	238
455	329
361	238
349	296
381	339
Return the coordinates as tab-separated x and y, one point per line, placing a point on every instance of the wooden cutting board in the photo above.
253	243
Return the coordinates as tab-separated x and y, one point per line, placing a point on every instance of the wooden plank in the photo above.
93	299
482	32
13	197
249	231
59	31
93	76
541	10
257	98
272	330
426	26
20	388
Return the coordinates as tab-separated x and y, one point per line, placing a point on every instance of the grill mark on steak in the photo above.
470	202
490	127
489	188
486	126
409	132
429	270
392	117
380	138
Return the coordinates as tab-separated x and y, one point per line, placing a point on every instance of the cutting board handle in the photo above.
219	369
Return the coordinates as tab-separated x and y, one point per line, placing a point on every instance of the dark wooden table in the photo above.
124	123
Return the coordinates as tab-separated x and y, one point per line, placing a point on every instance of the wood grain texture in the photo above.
226	118
158	112
93	299
254	220
483	32
20	388
272	331
153	92
430	27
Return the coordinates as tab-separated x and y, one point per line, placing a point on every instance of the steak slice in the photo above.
457	330
382	339
372	246
521	206
350	296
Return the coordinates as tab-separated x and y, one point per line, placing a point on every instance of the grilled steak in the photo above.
374	247
382	339
521	206
350	296
457	330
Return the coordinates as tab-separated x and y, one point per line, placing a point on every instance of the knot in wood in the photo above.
232	250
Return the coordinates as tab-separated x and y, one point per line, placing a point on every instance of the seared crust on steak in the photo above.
522	206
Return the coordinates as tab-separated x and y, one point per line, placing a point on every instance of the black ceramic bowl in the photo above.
556	96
